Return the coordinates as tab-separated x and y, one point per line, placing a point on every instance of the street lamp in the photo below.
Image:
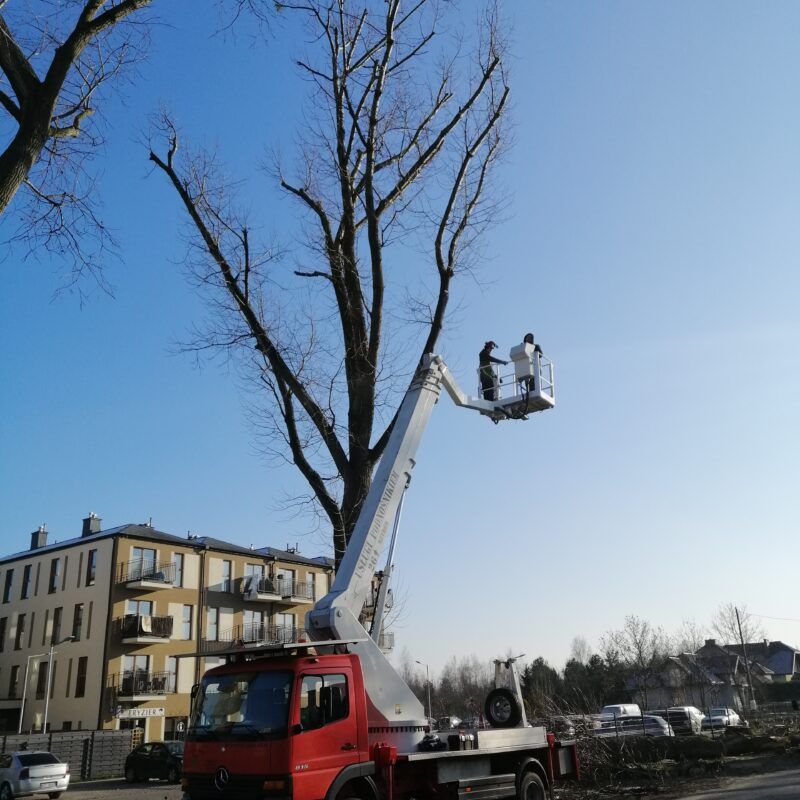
428	681
50	654
25	687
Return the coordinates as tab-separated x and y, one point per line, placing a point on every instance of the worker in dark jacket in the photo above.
488	380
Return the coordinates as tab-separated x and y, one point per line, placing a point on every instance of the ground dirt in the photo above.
672	780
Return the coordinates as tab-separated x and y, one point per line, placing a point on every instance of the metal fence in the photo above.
90	754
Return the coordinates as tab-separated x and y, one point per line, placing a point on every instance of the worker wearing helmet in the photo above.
488	378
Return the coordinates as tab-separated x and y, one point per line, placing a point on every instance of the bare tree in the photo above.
579	650
690	637
641	647
55	56
404	128
725	626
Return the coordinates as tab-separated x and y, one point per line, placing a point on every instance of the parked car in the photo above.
621	710
683	719
645	725
28	772
721	718
562	727
155	760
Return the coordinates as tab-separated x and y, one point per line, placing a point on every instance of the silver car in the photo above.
646	725
29	772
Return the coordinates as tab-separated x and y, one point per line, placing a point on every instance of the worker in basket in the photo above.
487	374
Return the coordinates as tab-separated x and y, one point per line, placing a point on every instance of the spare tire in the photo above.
502	709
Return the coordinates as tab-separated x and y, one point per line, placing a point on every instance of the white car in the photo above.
28	772
721	718
645	725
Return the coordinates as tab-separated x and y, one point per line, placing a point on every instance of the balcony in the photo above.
386	642
143	629
145	574
295	592
261	590
253	635
137	685
11	700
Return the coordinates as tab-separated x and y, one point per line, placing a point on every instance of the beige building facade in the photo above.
98	631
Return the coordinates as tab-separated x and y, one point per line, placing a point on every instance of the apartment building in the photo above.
96	631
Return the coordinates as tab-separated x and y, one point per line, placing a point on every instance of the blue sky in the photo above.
652	245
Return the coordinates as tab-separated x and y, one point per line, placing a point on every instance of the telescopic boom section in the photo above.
394	711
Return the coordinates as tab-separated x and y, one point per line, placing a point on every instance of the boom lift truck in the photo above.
329	718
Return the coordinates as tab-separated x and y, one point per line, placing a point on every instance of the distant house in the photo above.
782	659
713	676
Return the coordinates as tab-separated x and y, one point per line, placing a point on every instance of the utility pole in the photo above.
746	662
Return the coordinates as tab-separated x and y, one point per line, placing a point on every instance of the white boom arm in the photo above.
393	706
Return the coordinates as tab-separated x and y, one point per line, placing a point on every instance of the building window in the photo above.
91	567
77	622
178	569
285	582
66	725
80	678
3	627
8	584
41	680
13	683
310	585
55	574
253	621
284	627
143	563
172	673
212	624
20	632
56	635
144	608
26	582
186	619
227	575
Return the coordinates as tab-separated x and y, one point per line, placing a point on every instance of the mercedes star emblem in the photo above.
221	779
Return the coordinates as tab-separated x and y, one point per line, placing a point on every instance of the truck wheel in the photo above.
502	709
531	787
5	792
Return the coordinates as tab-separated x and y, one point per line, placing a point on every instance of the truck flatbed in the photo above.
487	741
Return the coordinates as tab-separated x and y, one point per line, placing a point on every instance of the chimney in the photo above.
766	644
39	538
710	643
91	525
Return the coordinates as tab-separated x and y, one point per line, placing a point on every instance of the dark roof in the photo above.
145	531
288	555
779	657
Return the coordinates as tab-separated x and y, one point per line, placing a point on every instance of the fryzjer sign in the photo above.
140	713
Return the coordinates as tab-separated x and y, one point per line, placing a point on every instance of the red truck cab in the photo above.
284	727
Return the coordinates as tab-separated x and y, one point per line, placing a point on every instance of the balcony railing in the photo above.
300	589
145	569
386	641
253	633
135	626
137	683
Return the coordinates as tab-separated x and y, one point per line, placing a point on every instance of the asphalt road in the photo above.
783	785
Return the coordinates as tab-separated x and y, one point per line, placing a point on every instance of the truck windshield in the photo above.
241	705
